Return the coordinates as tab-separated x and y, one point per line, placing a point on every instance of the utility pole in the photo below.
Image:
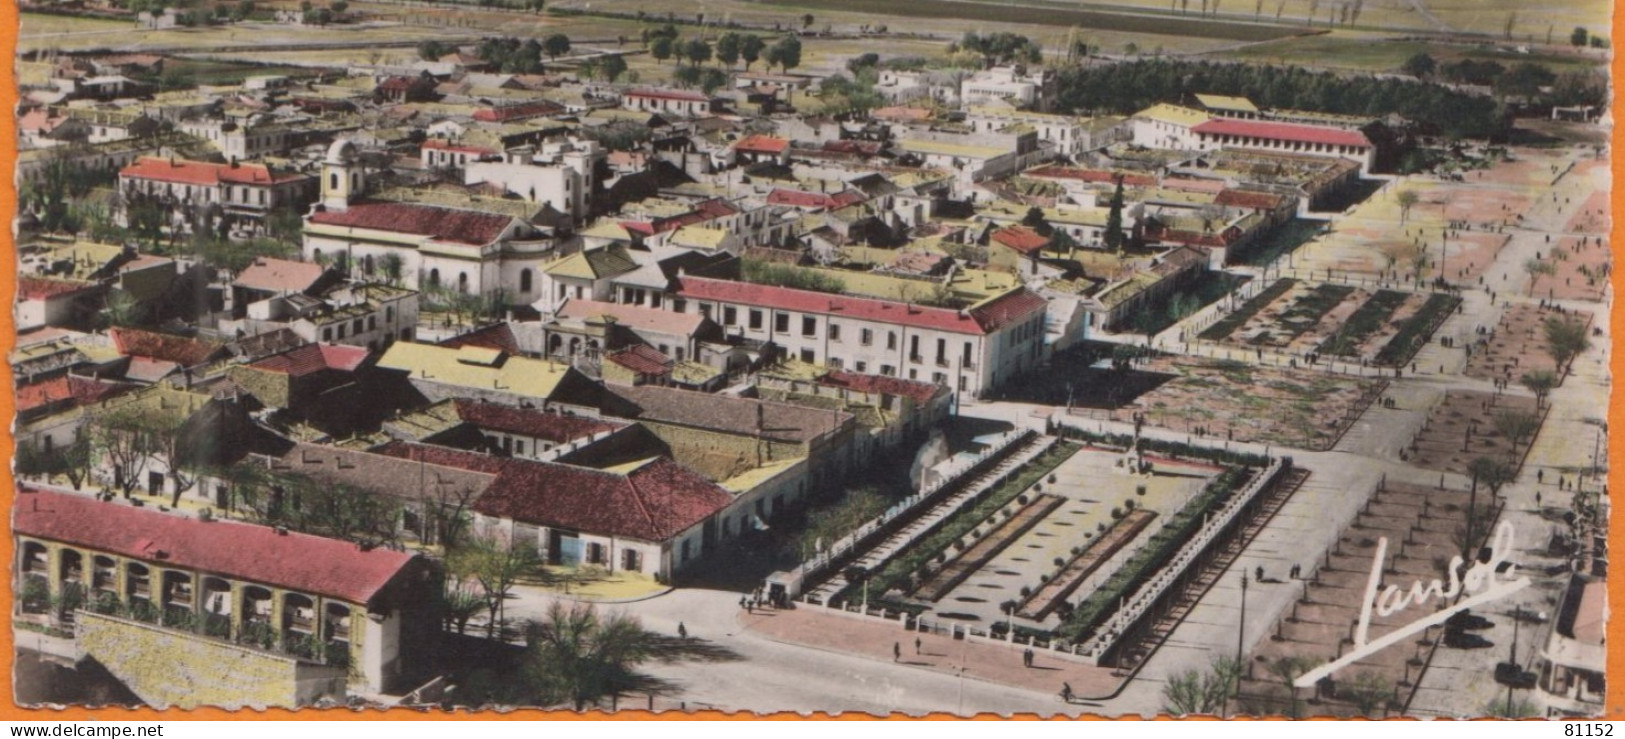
1240	629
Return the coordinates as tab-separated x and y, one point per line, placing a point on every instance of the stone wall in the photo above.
173	668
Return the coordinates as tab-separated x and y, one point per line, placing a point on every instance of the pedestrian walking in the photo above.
916	646
1027	657
682	631
1258	574
896	651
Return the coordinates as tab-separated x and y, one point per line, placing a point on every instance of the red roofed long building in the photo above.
319	600
971	350
1286	138
244	191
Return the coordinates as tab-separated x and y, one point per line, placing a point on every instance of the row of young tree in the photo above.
730	48
1132	86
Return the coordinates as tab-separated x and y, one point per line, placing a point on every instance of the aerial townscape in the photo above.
813	355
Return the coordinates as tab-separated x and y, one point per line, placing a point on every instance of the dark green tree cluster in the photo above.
1132	86
1002	47
511	55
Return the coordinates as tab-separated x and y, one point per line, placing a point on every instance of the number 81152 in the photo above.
1596	729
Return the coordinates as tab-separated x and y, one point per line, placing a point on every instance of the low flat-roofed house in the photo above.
504	430
728	438
1573	664
1167	126
475	372
45	302
687	103
315	383
676	335
173	602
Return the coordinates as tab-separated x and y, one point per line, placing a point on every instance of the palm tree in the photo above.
575	656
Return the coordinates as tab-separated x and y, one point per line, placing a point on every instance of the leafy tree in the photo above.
806	21
728	47
712	79
1540	382
750	49
1578	37
1421	64
697	51
556	45
1407	199
1198	692
1565	340
119	435
495	564
1536	268
1524	80
786	53
430	50
661	48
612	67
1516	426
1288	669
339	6
686	76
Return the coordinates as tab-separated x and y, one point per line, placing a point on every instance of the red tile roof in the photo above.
1249	199
642	359
981	320
1091	175
634	317
920	392
853	146
1021	238
443	224
186	172
300	562
762	144
40	288
178	349
653	503
80	390
1282	132
279	275
670	95
496	336
804	199
313	358
557	428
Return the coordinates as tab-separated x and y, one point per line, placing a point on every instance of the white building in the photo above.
471	251
972	350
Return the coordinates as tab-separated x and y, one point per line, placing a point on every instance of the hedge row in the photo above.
1156	552
1222	328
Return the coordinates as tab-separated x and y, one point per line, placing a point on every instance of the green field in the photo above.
1369	53
1053	15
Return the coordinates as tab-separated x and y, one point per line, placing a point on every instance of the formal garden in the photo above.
1424	527
1383	327
1466	426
